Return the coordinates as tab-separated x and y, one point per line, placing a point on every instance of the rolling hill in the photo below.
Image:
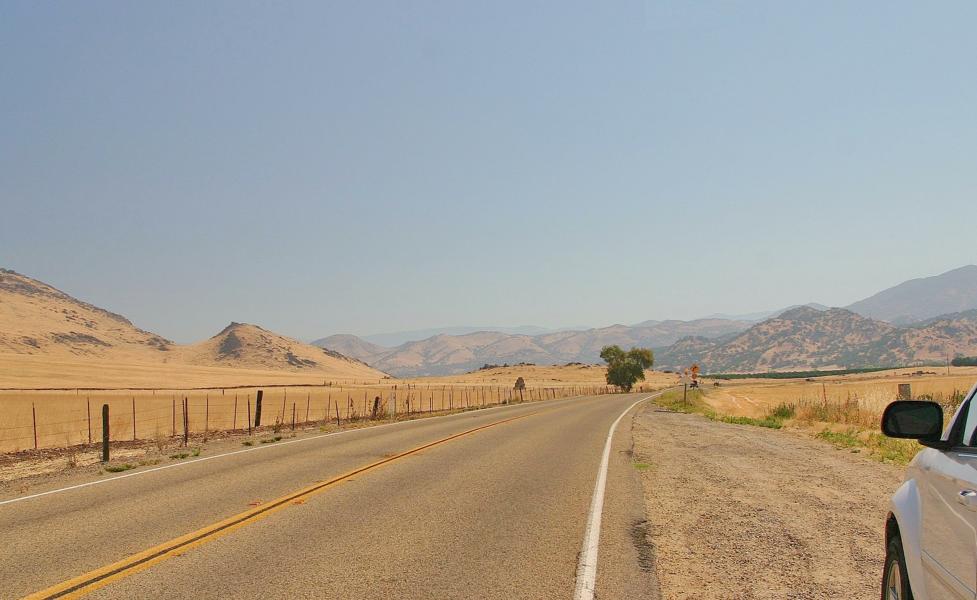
38	320
246	346
805	338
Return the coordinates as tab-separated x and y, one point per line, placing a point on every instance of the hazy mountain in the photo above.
685	352
924	298
37	319
585	346
351	346
446	354
397	338
443	354
805	338
767	314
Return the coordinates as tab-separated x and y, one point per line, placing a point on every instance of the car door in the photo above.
949	512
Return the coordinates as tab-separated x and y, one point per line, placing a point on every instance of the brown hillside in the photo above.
43	325
36	318
245	346
805	338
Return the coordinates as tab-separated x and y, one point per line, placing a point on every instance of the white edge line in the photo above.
587	566
266	447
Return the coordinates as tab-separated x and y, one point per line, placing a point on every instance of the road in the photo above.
497	507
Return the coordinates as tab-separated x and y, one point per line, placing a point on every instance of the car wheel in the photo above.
895	577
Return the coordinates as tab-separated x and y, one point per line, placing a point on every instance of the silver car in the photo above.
931	530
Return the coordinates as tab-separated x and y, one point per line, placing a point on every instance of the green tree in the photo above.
624	369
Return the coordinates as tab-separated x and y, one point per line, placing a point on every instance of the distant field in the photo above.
20	371
871	391
794	374
147	402
545	375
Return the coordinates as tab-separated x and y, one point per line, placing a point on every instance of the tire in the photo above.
895	577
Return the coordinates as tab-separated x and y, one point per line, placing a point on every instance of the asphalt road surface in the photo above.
497	507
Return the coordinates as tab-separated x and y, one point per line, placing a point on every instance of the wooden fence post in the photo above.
186	421
34	418
133	418
105	433
249	414
257	408
88	404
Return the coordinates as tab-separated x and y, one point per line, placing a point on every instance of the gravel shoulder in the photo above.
744	512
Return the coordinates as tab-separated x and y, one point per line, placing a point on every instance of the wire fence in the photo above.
56	419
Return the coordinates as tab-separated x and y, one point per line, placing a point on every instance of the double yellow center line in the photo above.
93	580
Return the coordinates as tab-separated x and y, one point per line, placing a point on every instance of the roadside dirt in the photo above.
744	512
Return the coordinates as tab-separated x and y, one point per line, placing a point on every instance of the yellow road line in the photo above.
93	580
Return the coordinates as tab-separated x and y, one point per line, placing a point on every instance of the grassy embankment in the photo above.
846	424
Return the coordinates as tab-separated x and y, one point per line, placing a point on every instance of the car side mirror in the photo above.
914	420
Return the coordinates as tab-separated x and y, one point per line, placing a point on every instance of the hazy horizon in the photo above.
367	169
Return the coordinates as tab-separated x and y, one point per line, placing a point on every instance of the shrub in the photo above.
119	468
783	411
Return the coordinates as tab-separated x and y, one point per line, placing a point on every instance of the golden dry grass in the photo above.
21	371
871	391
547	375
844	411
64	417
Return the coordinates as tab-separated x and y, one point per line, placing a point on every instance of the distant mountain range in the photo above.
764	315
919	321
920	299
837	338
805	338
446	354
402	337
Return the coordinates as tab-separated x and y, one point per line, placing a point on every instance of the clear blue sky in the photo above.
373	166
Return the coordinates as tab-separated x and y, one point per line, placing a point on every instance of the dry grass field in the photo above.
24	371
144	403
871	391
547	375
844	411
62	359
